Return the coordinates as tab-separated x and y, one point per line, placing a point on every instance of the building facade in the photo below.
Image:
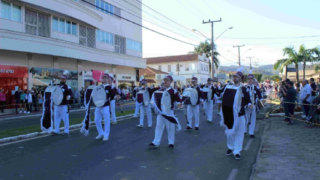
183	65
46	37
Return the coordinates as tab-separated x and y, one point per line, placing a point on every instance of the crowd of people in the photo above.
305	95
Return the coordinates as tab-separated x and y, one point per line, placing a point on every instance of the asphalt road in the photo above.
125	156
29	120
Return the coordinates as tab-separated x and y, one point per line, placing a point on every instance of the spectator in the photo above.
82	97
28	101
76	97
22	101
34	100
314	88
40	100
298	92
289	102
17	99
305	97
2	99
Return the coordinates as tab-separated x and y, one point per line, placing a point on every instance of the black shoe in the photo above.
171	146
151	145
252	136
237	156
188	129
196	128
54	133
286	120
245	133
229	152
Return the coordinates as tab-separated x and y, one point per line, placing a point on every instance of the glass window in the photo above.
16	13
106	8
102	6
169	68
111	9
68	27
159	67
74	28
61	25
98	35
55	23
106	37
5	10
111	39
97	4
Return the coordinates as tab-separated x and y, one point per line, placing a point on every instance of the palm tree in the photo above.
308	55
205	47
293	58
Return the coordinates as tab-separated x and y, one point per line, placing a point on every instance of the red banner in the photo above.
13	71
97	75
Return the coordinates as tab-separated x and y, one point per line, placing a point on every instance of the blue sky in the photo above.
249	19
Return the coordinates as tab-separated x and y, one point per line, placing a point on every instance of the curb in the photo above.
282	114
35	134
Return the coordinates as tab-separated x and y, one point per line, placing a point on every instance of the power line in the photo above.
214	11
227	59
282	43
155	24
227	51
188	9
275	37
196	8
167	17
138	24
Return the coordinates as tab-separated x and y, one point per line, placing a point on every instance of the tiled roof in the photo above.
166	59
149	71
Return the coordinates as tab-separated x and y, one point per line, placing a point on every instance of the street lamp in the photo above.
223	32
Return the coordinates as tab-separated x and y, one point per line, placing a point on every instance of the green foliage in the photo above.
205	47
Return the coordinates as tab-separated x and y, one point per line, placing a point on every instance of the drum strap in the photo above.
46	119
86	122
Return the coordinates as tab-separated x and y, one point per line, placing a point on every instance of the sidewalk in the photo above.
288	152
4	116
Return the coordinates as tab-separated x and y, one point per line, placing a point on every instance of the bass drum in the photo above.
56	93
190	96
99	96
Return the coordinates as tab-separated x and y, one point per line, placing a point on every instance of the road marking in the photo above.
257	128
248	145
233	174
41	136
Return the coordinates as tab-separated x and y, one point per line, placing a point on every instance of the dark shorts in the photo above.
291	108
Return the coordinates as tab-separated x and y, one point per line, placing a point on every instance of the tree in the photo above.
205	47
293	58
308	55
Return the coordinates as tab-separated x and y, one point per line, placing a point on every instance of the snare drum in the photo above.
99	95
56	93
190	96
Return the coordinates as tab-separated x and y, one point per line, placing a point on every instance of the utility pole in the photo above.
256	64
250	61
212	45
239	46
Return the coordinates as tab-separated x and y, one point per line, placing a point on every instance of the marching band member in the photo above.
217	95
194	110
167	120
104	111
134	95
208	103
255	95
114	95
144	108
61	111
176	87
234	99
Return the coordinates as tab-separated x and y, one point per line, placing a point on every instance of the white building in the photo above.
39	39
183	65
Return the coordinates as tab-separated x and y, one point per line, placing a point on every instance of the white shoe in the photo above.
115	122
25	112
99	137
149	126
20	112
303	116
140	126
134	116
105	139
28	112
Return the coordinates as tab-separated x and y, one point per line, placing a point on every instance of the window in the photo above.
87	36
177	68
120	44
104	37
37	23
201	67
10	11
105	7
64	26
169	68
134	45
159	67
187	67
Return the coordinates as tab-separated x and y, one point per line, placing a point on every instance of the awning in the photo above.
150	81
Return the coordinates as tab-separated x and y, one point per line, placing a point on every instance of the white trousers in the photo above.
144	108
105	113
235	141
253	120
113	110
61	112
208	109
137	109
193	111
161	123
